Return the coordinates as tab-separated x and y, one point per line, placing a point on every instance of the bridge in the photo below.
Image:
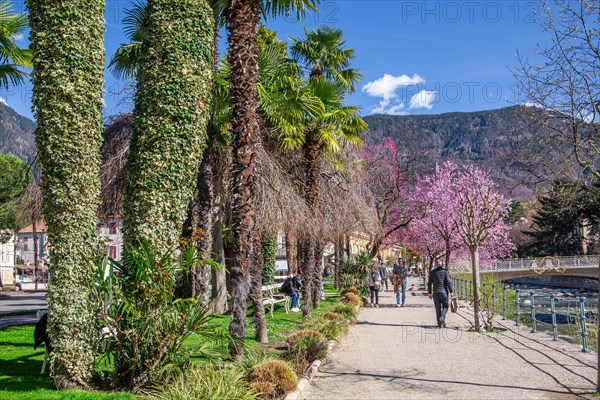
577	266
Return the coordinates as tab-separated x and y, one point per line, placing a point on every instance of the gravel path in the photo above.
399	353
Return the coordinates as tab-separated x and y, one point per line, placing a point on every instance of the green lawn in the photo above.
20	365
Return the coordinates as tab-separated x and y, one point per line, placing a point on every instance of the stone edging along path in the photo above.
308	376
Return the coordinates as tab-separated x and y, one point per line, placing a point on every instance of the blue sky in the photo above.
416	57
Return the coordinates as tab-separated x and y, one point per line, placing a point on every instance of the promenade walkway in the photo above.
399	353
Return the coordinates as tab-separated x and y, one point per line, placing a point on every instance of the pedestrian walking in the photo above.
439	288
374	286
400	270
384	277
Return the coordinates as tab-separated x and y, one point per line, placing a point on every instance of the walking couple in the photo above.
398	279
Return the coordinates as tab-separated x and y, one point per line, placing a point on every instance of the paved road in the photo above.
399	353
20	301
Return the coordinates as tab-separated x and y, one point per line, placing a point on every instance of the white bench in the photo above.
271	296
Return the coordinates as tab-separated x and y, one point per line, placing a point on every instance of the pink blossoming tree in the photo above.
479	221
384	166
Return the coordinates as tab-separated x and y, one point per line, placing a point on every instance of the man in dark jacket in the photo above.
291	287
439	288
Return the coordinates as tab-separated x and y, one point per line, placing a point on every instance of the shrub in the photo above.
329	328
347	310
273	378
350	290
353	299
306	346
207	383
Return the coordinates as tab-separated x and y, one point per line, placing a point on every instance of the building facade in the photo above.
7	261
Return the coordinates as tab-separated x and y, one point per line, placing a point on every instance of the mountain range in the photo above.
490	139
16	133
494	140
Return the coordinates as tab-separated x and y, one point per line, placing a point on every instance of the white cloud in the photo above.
18	37
387	85
423	99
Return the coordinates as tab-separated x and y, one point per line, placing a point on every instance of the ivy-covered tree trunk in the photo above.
243	17
67	41
171	111
269	255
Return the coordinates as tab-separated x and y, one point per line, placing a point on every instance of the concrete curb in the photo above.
304	382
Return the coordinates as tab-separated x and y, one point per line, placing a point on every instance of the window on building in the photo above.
112	230
112	251
26	247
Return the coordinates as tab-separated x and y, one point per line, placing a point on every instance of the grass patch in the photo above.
20	365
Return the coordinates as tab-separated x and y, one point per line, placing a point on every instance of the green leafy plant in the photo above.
145	321
273	378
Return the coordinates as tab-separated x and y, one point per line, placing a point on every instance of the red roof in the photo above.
40	228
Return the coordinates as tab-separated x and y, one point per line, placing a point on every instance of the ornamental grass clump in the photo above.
207	383
347	310
350	290
333	316
273	379
330	328
305	347
353	299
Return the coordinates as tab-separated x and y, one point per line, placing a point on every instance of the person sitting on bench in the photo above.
291	287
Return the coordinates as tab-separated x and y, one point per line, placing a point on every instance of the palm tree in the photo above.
11	56
323	53
68	77
243	17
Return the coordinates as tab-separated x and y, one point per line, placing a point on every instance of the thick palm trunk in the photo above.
199	221
339	255
243	17
305	249
67	41
172	109
474	252
311	149
291	253
219	277
256	281
317	274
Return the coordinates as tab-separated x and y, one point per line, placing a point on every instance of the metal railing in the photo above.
545	263
562	317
